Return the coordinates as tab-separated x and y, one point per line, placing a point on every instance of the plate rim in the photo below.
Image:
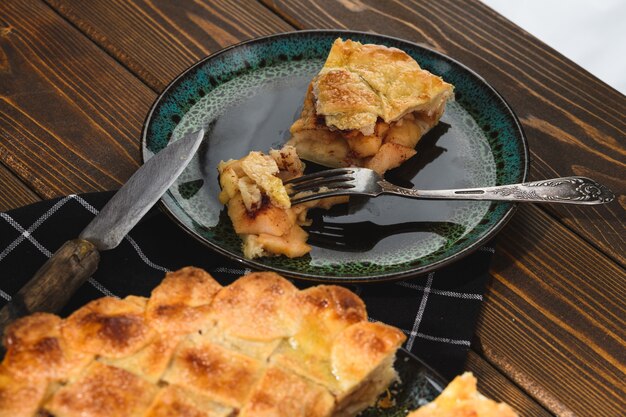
384	277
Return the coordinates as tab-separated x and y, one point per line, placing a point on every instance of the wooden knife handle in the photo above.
54	283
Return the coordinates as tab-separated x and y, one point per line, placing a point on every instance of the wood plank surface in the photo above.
574	122
159	39
494	385
13	192
85	111
554	317
66	102
70	115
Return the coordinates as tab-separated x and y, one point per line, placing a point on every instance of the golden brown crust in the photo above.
362	347
326	310
368	107
257	349
346	100
36	350
298	356
19	398
361	83
150	361
281	393
103	391
309	120
173	401
335	305
460	399
222	375
315	142
181	303
108	327
262	348
257	307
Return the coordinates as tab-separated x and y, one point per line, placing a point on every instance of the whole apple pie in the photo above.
258	347
368	107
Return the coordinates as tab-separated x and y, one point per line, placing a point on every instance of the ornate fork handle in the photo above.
572	190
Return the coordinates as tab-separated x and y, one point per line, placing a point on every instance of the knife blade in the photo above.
70	266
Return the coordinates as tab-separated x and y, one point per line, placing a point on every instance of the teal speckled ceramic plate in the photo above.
248	95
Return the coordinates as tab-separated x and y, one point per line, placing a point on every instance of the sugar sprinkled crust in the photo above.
360	348
368	107
108	327
181	303
222	375
258	306
173	401
332	318
151	361
20	397
258	347
36	350
361	83
103	391
281	393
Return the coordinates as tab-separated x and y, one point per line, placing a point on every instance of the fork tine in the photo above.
331	182
329	228
319	175
318	195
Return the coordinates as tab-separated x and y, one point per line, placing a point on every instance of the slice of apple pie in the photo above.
259	207
368	107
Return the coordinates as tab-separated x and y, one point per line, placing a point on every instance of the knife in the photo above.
70	266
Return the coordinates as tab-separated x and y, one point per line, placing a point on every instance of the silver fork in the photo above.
363	181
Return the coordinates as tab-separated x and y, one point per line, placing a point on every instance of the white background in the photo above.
591	33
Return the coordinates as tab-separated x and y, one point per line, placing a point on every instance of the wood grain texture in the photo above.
493	384
554	317
574	122
70	116
54	283
13	192
159	39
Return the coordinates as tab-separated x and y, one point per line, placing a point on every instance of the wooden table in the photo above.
77	78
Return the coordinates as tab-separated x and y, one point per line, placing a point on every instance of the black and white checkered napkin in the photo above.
437	312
